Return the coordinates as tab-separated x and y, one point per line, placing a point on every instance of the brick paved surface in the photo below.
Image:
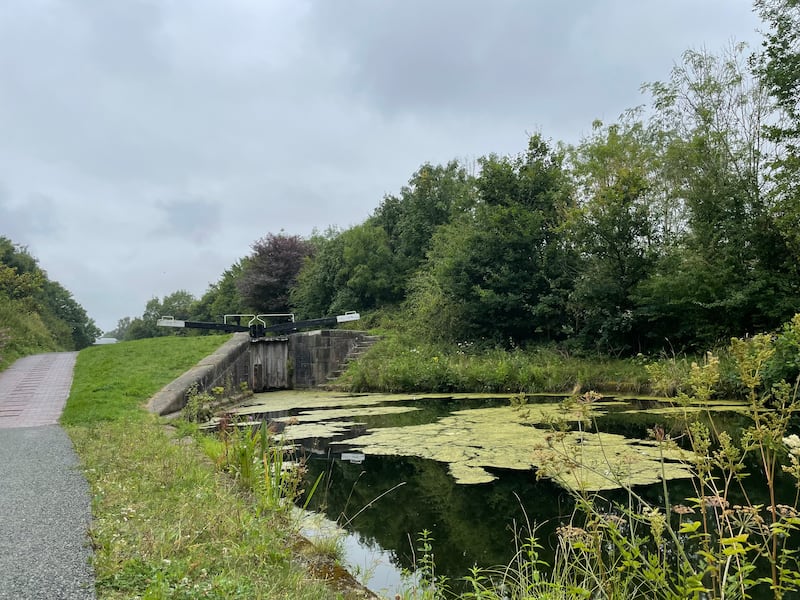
34	389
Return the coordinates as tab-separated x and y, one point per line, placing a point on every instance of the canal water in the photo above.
464	468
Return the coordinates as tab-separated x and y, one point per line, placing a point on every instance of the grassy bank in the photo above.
403	364
166	524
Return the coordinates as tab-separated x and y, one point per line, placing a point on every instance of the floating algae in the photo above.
476	441
472	442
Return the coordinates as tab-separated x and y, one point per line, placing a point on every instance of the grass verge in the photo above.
166	524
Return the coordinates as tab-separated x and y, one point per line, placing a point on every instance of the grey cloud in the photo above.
510	57
193	220
24	222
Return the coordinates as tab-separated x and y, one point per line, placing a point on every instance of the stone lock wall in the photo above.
300	361
315	355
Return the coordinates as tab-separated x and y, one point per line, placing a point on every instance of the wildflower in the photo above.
657	522
784	510
570	533
658	433
589	397
793	443
716	502
681	509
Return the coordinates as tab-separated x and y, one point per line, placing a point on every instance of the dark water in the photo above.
387	501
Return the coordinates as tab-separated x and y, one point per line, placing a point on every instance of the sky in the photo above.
146	144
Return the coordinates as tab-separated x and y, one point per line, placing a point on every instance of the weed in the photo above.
198	407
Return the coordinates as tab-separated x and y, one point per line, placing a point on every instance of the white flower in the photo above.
793	443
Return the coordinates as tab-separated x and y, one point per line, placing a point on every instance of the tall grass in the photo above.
403	364
735	538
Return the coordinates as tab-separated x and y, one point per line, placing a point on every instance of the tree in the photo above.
177	304
500	272
731	271
612	228
65	314
433	196
222	298
779	69
318	289
120	332
271	271
368	267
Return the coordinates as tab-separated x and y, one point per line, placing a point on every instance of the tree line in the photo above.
37	314
676	226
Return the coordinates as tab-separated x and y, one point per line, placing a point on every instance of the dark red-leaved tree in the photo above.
270	272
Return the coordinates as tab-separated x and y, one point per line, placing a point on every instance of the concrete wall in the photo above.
227	368
315	355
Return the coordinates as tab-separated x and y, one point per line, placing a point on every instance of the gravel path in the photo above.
44	498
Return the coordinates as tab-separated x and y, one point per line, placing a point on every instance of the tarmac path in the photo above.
45	509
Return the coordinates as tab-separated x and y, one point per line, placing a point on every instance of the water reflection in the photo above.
471	525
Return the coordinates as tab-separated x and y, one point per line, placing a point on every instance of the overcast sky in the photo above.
145	144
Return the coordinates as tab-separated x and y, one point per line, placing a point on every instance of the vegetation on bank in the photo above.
404	363
36	313
166	523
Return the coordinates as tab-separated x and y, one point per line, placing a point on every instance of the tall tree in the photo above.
271	271
499	272
319	289
433	195
177	304
730	272
614	232
221	298
779	69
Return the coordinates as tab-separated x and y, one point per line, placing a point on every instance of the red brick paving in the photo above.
34	389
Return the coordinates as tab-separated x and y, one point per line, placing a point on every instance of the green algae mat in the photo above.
475	434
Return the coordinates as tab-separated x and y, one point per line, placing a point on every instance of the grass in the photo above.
399	364
112	382
166	524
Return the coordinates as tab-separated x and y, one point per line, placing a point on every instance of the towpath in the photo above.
44	498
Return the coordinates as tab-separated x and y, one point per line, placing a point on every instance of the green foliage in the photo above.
165	526
178	304
730	270
434	196
724	544
779	68
36	314
368	270
613	229
499	272
22	332
198	406
319	289
261	465
221	298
